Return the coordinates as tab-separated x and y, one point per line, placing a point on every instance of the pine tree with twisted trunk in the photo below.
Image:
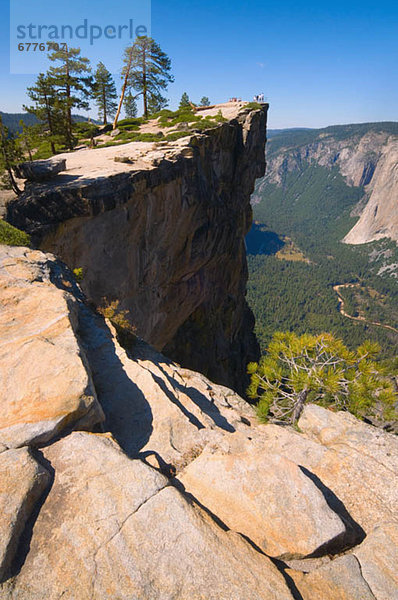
320	369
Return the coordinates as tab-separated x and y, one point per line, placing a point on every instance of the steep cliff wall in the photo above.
356	155
366	156
162	231
380	216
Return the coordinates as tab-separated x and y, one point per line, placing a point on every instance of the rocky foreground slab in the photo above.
124	476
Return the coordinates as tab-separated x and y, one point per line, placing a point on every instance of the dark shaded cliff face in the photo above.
166	239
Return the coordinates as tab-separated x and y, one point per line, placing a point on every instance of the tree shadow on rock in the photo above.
206	406
143	351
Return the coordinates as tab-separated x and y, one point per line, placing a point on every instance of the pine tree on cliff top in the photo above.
156	102
185	102
10	155
147	70
130	106
29	137
72	84
45	107
104	93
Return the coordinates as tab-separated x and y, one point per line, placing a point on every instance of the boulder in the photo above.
378	557
340	430
40	170
352	463
339	579
112	527
46	385
265	497
22	483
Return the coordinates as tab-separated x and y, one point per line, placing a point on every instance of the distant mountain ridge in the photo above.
271	133
11	120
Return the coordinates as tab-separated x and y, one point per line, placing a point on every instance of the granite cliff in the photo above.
124	475
380	217
365	155
160	228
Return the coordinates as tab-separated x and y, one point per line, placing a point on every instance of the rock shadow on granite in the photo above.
354	533
128	414
26	536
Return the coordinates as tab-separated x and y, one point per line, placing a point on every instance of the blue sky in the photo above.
318	63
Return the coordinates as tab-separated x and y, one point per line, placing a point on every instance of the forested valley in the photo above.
296	257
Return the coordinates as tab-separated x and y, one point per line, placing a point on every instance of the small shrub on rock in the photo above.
12	236
126	332
78	274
